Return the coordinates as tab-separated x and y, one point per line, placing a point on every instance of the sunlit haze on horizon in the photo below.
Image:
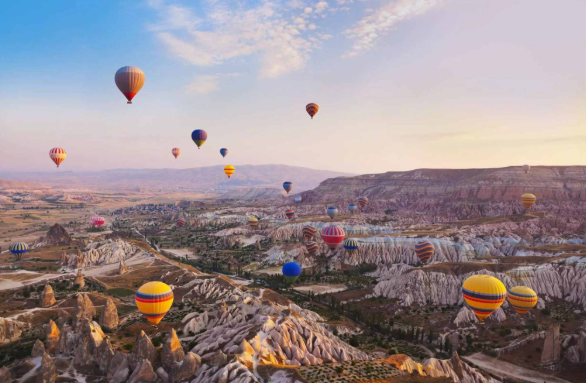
400	84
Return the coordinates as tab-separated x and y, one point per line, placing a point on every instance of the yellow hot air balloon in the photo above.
153	300
528	200
484	294
522	299
229	170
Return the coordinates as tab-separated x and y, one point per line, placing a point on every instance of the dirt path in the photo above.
508	370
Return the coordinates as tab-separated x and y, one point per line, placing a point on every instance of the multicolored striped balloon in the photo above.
291	271
352	208
311	247
528	200
57	155
180	222
333	236
229	170
129	79
287	185
522	299
154	299
18	249
484	294
199	136
311	109
223	152
252	221
362	202
176	152
289	213
309	231
424	251
332	212
351	245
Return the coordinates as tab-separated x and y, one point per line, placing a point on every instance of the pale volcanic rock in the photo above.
67	340
109	315
143	373
143	349
186	368
63	259
48	297
122	268
458	370
464	317
38	349
84	309
63	316
234	372
5	375
10	329
551	346
172	351
108	252
47	373
79	279
118	370
88	343
52	335
213	289
105	354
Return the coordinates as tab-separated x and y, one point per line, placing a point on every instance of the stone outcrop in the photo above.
143	373
88	343
109	315
186	368
457	370
47	373
105	354
551	354
10	329
172	351
108	252
52	335
79	279
79	260
57	235
5	375
143	349
63	316
38	349
118	370
122	268
63	259
84	309
48	297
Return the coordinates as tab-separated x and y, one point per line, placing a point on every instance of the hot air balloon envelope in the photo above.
253	221
311	109
291	271
362	202
129	79
153	300
351	245
309	231
289	213
19	248
528	200
333	235
424	251
180	222
522	299
287	186
332	212
526	168
311	247
57	155
298	198
199	136
484	294
223	152
176	152
229	170
352	208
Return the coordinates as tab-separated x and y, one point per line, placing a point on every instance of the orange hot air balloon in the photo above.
312	109
528	200
129	79
229	170
57	155
153	300
176	152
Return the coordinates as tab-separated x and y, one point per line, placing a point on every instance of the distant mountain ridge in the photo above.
496	184
203	178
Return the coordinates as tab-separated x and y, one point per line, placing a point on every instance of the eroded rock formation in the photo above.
109	315
48	297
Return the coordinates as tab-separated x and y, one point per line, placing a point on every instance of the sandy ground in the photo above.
509	370
321	289
182	253
269	270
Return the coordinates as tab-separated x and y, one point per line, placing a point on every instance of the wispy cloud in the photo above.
369	29
207	83
275	32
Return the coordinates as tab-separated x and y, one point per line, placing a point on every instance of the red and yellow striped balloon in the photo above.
57	155
176	152
154	299
129	80
522	299
229	170
484	294
528	200
333	236
312	109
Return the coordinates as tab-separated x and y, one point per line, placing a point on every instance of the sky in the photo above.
401	84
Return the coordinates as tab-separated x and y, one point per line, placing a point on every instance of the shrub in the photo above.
128	346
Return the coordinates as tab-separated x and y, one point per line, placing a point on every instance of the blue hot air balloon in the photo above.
352	207
223	152
287	186
351	245
332	212
298	198
18	249
199	136
291	271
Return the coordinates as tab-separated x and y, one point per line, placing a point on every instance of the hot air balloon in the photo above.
289	213
351	245
298	198
352	208
308	232
176	152
424	251
180	222
57	155
223	152
526	168
484	294
333	235
252	221
18	249
311	247
153	300
287	186
97	221
291	271
199	136
129	79
362	202
229	170
312	109
522	298
332	212
528	200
